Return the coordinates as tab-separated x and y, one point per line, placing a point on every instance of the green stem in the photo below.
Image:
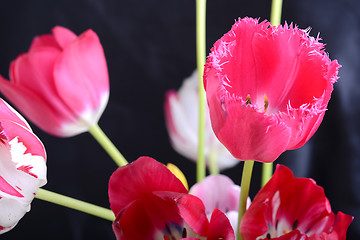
201	56
108	146
267	171
69	202
275	16
275	19
213	165
244	192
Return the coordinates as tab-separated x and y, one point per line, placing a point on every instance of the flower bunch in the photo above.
267	90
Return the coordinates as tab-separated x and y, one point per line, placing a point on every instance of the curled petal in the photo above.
137	180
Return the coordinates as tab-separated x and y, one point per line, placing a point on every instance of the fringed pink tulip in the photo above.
22	167
219	191
289	208
181	114
149	202
61	84
267	88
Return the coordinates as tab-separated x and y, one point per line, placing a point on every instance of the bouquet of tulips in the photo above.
267	87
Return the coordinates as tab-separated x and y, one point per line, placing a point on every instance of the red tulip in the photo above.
267	88
149	202
22	167
289	208
61	84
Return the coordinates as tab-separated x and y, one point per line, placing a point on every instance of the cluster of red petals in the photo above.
290	208
149	202
267	88
61	84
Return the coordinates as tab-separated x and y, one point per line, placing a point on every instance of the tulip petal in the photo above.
181	114
220	227
21	174
192	210
263	138
133	223
34	107
46	40
137	179
63	36
217	191
81	77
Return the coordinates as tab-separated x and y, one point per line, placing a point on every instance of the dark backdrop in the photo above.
150	48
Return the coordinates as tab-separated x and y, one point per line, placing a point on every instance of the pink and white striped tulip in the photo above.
61	84
181	114
22	167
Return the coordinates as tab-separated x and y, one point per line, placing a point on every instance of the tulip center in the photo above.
265	102
176	232
280	228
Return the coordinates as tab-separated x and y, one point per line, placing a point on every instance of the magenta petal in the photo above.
81	76
46	40
247	133
63	36
33	107
220	227
133	224
137	180
192	210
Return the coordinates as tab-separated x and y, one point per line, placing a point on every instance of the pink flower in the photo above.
22	167
292	208
149	202
267	88
61	84
181	114
219	191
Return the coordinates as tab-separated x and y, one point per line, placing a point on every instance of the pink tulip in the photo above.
181	114
61	84
267	88
22	167
150	202
289	208
219	191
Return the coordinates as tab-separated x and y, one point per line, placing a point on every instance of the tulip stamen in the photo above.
266	102
247	100
184	233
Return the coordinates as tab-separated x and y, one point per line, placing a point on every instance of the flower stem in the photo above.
201	55
275	16
267	171
275	19
213	166
244	192
69	202
108	146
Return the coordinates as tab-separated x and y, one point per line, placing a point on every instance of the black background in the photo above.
150	48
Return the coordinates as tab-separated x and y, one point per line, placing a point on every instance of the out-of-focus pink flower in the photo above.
149	202
289	208
61	84
22	167
267	88
182	114
219	191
